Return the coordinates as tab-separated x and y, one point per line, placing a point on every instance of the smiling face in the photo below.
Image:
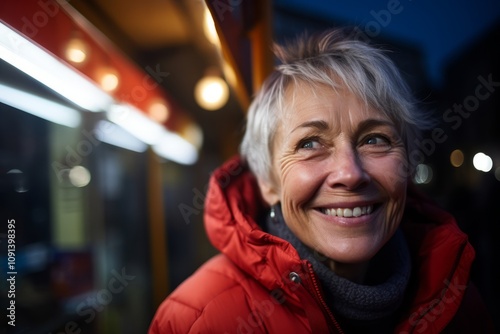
335	164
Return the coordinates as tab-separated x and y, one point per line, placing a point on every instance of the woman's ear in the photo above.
269	192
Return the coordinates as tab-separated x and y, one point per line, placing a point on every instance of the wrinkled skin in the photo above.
333	151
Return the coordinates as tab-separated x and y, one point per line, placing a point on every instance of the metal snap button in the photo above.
294	277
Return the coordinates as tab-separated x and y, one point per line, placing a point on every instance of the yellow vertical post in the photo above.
261	41
157	230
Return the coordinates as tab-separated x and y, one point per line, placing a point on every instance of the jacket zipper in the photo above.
321	300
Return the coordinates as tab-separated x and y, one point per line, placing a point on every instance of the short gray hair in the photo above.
337	59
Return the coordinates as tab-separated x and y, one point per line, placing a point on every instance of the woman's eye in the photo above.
376	140
309	144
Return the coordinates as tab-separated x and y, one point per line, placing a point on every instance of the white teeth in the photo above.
356	212
349	212
331	212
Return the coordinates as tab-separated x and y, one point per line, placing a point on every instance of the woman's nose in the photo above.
346	169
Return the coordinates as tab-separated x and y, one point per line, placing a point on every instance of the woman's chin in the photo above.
350	252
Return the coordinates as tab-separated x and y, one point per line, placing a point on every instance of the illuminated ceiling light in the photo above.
457	158
79	176
158	111
109	82
40	107
174	147
166	144
211	92
50	71
193	134
135	122
115	135
76	50
482	162
108	79
209	27
423	174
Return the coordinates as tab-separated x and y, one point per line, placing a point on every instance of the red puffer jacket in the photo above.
260	285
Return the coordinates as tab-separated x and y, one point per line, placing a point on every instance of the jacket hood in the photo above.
232	208
441	254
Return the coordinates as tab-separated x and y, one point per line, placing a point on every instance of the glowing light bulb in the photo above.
211	93
108	78
158	111
76	50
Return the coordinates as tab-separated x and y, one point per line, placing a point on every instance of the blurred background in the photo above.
113	114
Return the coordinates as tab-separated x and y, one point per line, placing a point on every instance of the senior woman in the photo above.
318	226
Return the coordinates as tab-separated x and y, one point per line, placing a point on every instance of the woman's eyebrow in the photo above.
373	123
318	125
362	126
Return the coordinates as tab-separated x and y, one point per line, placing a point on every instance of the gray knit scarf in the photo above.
388	276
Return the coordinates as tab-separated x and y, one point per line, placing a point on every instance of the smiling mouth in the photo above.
357	211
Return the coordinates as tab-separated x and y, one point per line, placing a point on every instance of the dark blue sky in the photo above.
440	28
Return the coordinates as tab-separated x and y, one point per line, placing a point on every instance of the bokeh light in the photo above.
457	158
79	176
211	92
423	174
482	162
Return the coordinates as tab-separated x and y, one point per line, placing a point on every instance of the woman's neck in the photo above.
354	272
